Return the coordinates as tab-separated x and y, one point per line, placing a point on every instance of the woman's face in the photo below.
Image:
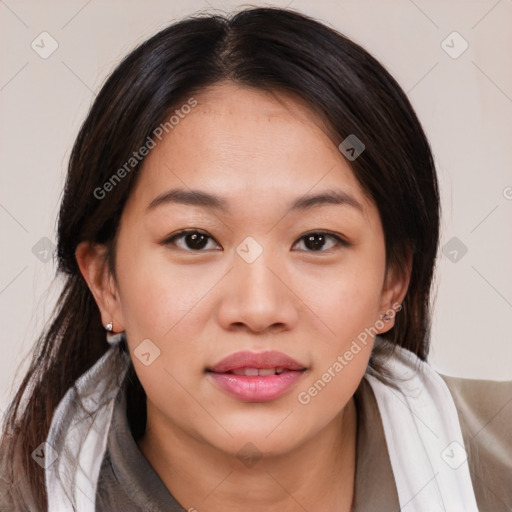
252	279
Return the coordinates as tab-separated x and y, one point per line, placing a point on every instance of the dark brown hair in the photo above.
266	48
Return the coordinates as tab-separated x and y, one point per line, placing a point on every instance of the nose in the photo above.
257	298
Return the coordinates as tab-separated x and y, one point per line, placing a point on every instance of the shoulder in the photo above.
485	415
484	406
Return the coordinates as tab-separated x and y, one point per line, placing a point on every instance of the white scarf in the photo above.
420	423
424	438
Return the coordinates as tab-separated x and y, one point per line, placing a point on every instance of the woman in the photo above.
251	218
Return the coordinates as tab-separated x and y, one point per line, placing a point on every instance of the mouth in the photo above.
255	372
256	377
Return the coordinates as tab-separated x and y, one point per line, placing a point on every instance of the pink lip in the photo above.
247	359
256	388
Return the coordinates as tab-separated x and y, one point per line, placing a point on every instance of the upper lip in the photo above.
247	359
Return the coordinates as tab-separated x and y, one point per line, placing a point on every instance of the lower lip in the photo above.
256	388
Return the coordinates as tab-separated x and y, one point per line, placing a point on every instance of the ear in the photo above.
396	284
92	261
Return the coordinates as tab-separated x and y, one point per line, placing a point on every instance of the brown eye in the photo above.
192	240
316	241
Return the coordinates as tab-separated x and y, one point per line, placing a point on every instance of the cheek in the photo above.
159	304
348	307
347	300
156	295
168	305
334	381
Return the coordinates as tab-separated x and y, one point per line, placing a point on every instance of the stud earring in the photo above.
109	326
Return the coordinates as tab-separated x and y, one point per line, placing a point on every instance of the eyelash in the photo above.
181	234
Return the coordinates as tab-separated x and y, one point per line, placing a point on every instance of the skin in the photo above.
260	151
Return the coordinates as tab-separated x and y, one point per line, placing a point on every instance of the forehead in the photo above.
239	140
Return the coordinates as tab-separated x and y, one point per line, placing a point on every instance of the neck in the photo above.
317	475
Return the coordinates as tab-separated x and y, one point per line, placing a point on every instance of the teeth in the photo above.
253	372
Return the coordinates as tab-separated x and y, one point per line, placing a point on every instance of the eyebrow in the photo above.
210	201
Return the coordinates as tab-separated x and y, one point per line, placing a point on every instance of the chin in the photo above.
249	448
269	437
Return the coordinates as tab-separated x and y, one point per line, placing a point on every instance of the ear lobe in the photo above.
92	261
395	288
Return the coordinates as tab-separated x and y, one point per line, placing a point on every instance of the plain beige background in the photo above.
463	98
